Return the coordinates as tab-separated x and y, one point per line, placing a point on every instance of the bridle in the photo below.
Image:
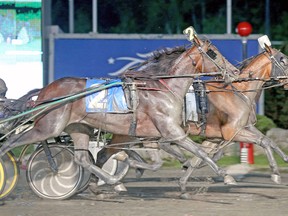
212	57
277	67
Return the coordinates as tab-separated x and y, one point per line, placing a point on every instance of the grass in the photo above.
171	163
260	161
17	151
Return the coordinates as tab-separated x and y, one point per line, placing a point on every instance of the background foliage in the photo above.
172	16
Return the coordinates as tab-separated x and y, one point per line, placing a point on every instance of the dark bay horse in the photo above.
158	113
232	113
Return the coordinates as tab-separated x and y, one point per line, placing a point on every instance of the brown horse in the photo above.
234	118
158	113
231	115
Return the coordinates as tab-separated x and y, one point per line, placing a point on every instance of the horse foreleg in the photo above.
117	139
104	154
156	165
195	163
140	164
252	135
175	152
184	179
137	157
189	145
265	143
270	143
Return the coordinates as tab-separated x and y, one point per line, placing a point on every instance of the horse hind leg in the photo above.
45	127
81	146
34	135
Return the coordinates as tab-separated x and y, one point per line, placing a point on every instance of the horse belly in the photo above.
120	124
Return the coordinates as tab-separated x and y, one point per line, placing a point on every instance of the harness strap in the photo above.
169	89
151	89
87	150
133	125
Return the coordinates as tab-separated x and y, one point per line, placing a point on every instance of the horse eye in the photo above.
283	60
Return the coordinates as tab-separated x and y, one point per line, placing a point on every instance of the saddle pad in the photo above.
190	108
110	100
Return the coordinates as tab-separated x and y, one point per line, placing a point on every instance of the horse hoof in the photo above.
185	165
229	180
209	180
185	196
139	172
276	178
121	156
120	188
94	188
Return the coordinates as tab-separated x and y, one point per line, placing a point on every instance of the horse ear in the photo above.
268	49
265	43
192	35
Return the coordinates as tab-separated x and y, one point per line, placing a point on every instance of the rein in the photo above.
246	80
176	76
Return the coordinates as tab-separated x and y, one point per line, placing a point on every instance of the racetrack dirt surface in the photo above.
157	193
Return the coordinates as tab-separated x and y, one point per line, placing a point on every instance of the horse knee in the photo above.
264	142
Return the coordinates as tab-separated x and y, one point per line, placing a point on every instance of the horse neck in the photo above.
183	66
255	73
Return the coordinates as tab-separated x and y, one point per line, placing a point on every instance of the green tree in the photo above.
279	30
83	19
60	14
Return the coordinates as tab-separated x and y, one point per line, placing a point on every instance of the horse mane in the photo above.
160	63
245	62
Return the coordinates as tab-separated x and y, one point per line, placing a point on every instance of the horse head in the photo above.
207	58
270	65
279	61
279	70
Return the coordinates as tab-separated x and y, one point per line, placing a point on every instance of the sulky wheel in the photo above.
54	184
2	176
12	174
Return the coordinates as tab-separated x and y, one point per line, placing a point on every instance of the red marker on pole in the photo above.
244	29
